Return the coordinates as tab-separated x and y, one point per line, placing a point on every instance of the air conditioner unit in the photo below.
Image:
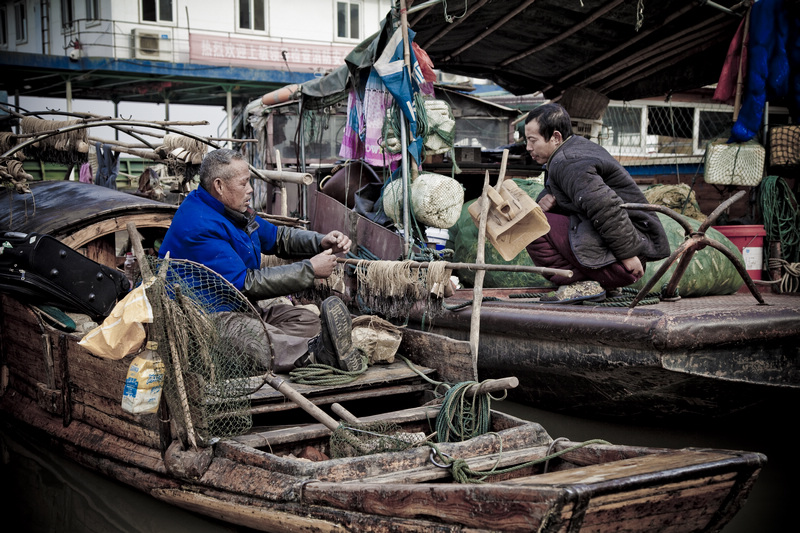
152	44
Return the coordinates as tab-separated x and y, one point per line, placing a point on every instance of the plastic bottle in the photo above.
130	268
144	382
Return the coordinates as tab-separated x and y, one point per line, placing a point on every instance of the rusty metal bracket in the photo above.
695	240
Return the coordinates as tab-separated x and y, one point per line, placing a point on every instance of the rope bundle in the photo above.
781	216
11	171
71	147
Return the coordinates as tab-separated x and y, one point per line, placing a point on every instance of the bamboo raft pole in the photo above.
473	266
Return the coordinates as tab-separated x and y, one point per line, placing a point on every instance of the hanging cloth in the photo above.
86	173
107	166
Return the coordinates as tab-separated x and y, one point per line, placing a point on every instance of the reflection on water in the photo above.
770	506
46	493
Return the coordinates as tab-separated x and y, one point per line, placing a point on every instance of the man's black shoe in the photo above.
334	346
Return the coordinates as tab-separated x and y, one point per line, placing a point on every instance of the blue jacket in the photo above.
202	231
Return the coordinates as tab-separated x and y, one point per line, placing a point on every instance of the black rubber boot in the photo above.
334	346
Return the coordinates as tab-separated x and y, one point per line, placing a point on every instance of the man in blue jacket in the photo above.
605	245
215	226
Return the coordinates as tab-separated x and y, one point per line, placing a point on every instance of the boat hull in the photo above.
70	399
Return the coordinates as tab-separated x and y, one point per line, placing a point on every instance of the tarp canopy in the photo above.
623	49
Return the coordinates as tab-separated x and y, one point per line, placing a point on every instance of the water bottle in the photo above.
130	268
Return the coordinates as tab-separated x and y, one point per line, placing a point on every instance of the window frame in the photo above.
93	9
349	28
21	8
4	26
251	12
158	14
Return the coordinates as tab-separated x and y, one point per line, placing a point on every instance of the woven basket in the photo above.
784	146
734	163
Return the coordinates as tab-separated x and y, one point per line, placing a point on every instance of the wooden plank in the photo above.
430	471
79	238
382	392
452	358
489	507
264	518
375	375
647	464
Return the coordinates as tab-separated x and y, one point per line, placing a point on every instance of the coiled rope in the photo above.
626	298
790	280
324	375
781	217
462	473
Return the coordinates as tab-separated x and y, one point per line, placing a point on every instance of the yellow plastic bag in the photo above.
122	332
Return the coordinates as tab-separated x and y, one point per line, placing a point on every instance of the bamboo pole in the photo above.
563	35
474	266
737	103
284	200
477	291
491	29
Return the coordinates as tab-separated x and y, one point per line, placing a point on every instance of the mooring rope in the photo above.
781	217
462	473
320	374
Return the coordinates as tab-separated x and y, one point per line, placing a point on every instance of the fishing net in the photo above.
357	439
214	346
393	288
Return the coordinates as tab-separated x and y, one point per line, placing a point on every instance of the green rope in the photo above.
462	473
319	374
462	417
781	217
627	297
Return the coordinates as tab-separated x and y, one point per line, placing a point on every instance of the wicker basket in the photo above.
734	163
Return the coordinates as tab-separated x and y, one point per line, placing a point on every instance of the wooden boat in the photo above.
71	399
693	358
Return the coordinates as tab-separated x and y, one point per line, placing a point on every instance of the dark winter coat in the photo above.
590	186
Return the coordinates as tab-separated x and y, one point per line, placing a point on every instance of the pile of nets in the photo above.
214	347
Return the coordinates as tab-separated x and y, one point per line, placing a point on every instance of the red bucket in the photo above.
750	241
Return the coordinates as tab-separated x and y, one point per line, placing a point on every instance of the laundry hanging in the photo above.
107	166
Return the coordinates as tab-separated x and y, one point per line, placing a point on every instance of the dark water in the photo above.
45	493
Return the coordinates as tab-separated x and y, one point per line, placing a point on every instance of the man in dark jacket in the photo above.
215	226
605	245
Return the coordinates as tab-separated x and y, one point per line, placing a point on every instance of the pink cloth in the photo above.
363	133
86	173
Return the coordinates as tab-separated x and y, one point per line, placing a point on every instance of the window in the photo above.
157	10
348	20
92	9
3	27
252	15
67	14
21	22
